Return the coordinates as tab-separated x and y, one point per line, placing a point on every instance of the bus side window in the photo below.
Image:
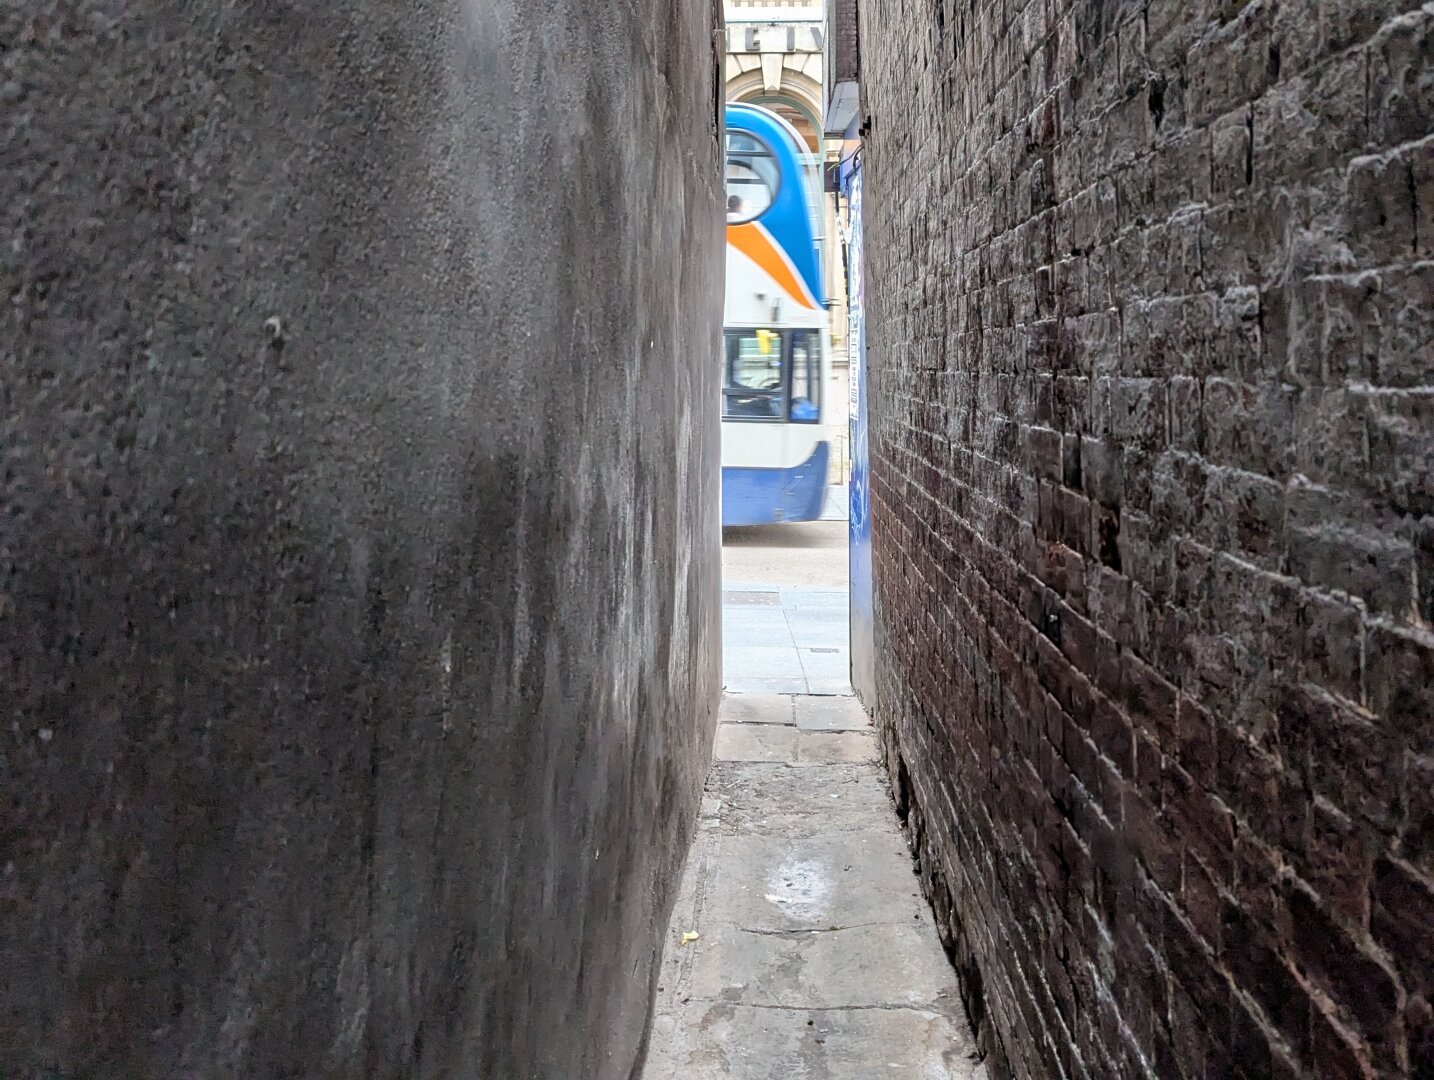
806	377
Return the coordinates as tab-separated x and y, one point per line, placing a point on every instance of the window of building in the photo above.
753	177
799	121
752	385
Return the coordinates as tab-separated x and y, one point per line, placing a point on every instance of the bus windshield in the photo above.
753	177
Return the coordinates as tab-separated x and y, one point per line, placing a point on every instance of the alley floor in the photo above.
800	946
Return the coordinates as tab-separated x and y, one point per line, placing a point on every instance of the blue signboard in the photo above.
863	668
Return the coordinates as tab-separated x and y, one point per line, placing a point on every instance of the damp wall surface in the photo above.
359	592
1149	333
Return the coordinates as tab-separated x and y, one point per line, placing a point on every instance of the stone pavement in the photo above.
815	954
780	639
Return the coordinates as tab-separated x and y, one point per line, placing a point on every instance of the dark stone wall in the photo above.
358	538
1153	460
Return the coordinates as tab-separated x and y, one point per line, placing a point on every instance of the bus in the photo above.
776	360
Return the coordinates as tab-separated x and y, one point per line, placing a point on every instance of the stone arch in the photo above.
796	90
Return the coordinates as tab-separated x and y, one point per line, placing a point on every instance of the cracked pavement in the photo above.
816	955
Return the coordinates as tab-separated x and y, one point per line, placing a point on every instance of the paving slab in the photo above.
824	666
867	967
748	624
831	747
831	714
755	742
743	1042
757	634
785	639
788	684
806	598
762	661
779	884
752	595
796	801
757	709
815	630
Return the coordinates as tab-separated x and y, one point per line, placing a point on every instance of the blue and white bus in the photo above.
776	358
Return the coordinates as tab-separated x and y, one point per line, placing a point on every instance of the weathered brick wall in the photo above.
1153	460
842	52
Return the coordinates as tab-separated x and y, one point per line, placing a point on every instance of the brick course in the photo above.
1152	417
842	53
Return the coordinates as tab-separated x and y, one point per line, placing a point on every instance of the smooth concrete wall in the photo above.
358	539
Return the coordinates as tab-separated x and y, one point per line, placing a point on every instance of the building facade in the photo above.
776	58
775	55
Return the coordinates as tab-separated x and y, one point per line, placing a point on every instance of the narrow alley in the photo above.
800	945
717	540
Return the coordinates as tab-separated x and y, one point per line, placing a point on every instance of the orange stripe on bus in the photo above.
753	242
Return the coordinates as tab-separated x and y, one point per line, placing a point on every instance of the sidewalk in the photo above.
816	955
779	639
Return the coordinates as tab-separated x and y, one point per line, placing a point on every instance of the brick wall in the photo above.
842	55
1153	478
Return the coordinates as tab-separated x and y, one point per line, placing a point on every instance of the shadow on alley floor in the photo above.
800	946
